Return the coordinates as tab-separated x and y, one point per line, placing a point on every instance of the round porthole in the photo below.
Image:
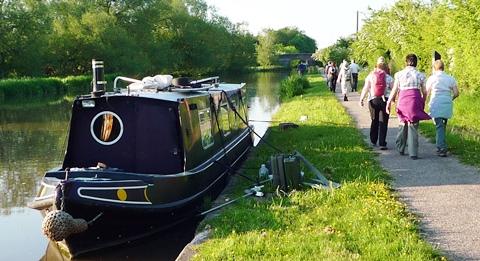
106	128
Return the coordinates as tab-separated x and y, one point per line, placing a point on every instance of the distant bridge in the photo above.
285	59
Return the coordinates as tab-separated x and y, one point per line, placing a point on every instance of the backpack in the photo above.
333	71
379	82
348	74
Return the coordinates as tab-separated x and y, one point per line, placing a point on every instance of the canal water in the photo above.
33	140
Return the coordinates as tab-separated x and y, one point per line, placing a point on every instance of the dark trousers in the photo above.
379	125
333	84
354	81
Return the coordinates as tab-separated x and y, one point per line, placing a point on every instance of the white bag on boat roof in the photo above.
148	82
157	81
163	80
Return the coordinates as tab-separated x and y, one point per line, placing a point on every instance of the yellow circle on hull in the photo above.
122	194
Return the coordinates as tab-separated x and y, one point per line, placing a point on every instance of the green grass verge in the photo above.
362	220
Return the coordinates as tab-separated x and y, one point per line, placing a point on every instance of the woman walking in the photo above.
412	93
344	77
377	103
332	76
440	87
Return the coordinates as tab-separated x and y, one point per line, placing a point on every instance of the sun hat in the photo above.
380	60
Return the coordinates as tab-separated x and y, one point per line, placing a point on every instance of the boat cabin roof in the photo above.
167	91
179	94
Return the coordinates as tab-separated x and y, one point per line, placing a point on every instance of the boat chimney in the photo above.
98	78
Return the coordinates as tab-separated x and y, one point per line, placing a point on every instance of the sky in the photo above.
325	21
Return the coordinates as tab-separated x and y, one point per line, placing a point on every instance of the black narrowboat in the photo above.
142	158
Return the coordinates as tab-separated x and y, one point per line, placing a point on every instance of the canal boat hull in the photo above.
139	161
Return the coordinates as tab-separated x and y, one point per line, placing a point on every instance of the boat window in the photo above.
206	127
243	103
235	116
225	119
106	128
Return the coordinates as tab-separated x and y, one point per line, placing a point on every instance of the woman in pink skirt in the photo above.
410	86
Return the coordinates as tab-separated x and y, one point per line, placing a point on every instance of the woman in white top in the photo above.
440	87
342	79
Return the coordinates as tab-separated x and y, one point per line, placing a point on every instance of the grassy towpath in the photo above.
362	220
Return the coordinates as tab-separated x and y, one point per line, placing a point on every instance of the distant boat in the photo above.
142	158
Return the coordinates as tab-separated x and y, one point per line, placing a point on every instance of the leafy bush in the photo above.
294	63
34	87
83	84
304	81
292	86
30	87
78	84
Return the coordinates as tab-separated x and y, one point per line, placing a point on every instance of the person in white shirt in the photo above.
343	79
410	87
354	68
442	89
327	67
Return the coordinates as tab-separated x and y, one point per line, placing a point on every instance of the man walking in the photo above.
354	68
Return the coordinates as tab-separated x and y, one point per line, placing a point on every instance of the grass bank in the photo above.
362	220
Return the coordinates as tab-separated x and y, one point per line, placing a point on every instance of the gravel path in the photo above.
444	193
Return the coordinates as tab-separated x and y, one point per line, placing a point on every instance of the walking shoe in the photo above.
414	157
383	147
345	98
442	152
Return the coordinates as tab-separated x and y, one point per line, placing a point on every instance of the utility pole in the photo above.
357	21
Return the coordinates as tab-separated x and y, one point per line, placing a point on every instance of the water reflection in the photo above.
164	246
263	99
33	140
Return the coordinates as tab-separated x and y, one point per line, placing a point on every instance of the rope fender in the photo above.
58	225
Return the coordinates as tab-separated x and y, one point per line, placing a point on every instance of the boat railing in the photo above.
131	80
213	79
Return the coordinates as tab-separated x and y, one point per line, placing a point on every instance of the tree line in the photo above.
134	37
449	27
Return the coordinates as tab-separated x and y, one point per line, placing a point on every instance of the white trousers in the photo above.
345	86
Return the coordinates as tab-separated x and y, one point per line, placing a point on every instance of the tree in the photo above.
23	32
135	37
292	36
338	52
266	48
273	43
